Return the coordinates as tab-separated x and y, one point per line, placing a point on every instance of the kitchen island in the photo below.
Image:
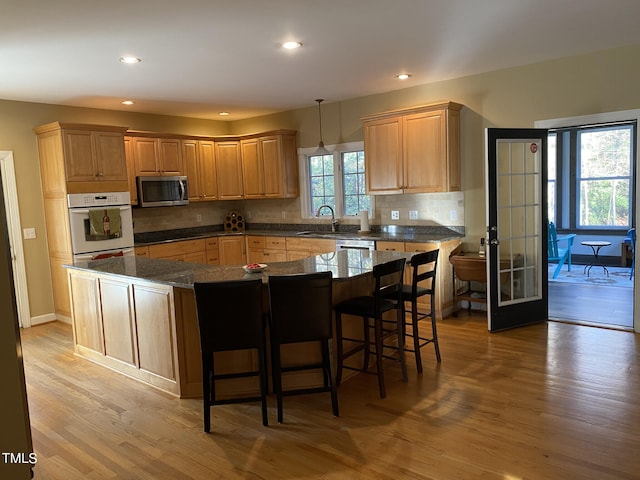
137	315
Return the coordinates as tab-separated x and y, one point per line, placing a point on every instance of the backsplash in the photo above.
434	209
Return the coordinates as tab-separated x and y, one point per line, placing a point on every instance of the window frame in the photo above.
566	199
305	191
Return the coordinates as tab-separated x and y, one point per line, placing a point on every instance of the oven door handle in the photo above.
86	210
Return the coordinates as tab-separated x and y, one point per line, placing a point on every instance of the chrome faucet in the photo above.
334	222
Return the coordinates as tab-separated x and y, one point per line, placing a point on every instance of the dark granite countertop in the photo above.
349	232
343	264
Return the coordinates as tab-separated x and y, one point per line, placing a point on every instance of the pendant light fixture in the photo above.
321	150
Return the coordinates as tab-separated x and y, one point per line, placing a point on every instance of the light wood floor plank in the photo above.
547	401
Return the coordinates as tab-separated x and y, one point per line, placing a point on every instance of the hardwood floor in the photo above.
612	306
548	401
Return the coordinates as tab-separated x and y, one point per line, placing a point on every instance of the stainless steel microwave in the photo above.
159	191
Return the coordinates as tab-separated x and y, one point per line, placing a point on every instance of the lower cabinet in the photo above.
444	275
128	326
298	248
232	250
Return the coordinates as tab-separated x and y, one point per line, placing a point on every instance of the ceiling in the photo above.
200	57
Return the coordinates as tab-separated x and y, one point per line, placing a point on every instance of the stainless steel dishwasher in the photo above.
343	244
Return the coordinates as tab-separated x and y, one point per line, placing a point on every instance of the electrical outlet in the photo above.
413	214
199	218
453	215
395	215
29	233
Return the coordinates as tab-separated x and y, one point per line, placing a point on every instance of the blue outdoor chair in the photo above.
631	234
556	254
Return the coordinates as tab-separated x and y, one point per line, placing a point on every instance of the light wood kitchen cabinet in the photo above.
298	248
142	251
126	325
118	320
79	158
213	251
131	170
414	150
193	251
232	250
263	249
154	156
85	290
444	275
199	167
74	158
270	166
229	170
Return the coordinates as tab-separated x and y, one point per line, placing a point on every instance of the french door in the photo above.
516	185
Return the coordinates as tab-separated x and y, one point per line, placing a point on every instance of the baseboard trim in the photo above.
46	318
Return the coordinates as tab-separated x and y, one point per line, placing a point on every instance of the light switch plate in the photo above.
413	214
395	215
29	233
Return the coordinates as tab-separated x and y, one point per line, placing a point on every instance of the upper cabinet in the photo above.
82	158
229	169
414	150
270	166
156	156
198	160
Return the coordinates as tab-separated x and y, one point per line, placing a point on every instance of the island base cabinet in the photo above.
118	320
127	326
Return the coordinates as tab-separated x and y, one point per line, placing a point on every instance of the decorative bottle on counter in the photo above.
482	249
106	224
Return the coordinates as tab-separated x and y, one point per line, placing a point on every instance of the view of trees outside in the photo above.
322	182
355	194
604	175
323	185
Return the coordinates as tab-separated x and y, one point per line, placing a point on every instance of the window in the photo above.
590	176
336	180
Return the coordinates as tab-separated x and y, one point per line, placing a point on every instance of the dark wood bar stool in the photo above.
230	317
387	296
301	311
423	282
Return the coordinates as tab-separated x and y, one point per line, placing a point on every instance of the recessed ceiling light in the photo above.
223	114
130	60
128	102
403	76
291	45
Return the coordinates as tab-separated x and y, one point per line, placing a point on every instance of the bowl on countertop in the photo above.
254	267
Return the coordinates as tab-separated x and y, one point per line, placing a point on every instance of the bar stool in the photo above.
230	317
387	296
300	311
424	270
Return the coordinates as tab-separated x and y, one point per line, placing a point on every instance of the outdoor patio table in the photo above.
595	245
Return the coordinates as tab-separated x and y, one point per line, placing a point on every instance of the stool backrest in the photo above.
388	279
230	315
424	268
301	307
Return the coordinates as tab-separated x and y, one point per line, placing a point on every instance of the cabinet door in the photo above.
192	169
80	156
252	168
229	170
424	155
85	298
145	153
383	155
272	161
156	326
118	320
232	250
170	157
207	172
110	156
